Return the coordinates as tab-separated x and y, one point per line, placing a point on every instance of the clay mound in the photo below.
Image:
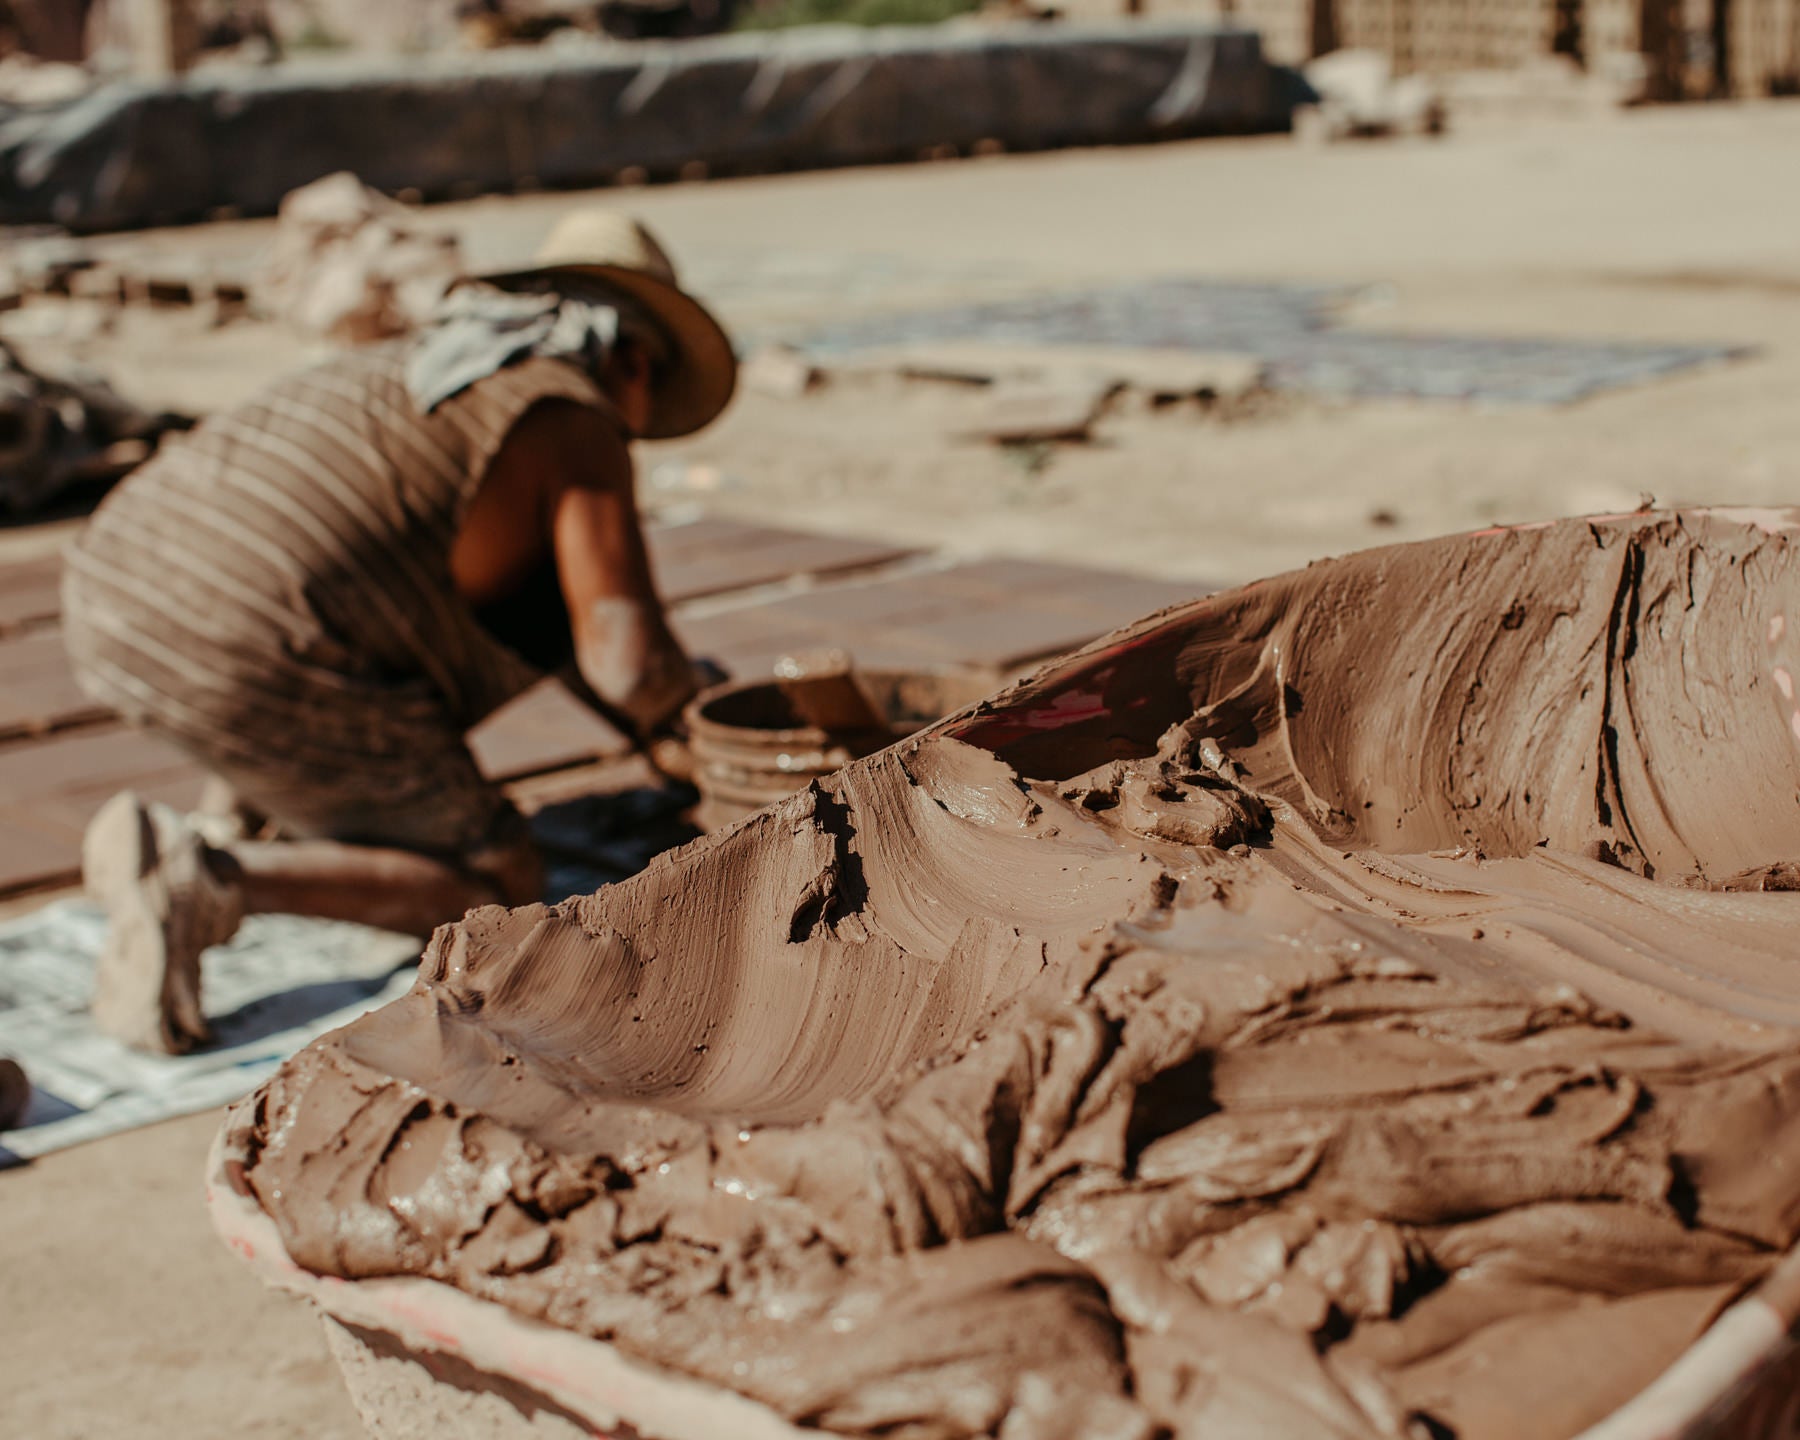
1344	1006
1592	686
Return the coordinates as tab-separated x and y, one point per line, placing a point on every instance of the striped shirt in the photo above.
276	588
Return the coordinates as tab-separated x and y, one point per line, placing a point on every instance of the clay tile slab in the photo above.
33	853
50	789
89	764
38	692
714	556
544	729
992	615
29	591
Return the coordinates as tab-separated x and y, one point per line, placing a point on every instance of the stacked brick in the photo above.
1286	27
1440	36
1685	49
1762	47
1612	28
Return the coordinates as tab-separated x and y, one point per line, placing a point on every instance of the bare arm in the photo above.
625	652
562	483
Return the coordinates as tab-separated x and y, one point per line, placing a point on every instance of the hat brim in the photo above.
698	382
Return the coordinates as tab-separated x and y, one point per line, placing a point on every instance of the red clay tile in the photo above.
711	556
34	853
546	728
29	591
38	692
50	789
994	615
87	762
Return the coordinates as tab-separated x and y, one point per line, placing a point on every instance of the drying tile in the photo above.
30	591
38	692
34	853
96	763
546	728
712	556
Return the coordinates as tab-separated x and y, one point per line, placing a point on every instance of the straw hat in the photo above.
608	245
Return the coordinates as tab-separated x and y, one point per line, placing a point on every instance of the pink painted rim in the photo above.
588	1378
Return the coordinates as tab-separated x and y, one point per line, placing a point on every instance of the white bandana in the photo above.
478	330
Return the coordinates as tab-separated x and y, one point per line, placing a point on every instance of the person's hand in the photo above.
664	686
635	666
670	751
671	756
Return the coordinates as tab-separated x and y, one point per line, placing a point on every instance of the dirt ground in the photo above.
124	1317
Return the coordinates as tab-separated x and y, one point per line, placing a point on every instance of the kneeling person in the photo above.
319	593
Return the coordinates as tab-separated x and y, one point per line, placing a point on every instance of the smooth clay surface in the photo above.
1359	1004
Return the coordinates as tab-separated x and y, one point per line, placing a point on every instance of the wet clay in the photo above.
1361	1004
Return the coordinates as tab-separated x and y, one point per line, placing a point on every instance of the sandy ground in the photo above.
124	1317
1662	225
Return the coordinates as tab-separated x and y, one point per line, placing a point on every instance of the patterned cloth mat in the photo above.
1292	328
280	983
